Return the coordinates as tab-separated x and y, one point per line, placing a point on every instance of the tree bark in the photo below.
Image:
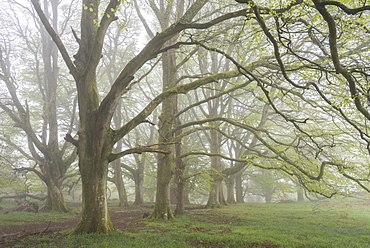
230	185
238	187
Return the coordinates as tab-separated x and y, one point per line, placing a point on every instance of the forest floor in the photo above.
129	220
126	221
334	224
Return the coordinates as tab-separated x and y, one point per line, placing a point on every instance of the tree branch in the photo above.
71	140
335	57
141	149
55	37
181	89
39	174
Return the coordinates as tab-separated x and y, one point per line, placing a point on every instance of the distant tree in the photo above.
40	125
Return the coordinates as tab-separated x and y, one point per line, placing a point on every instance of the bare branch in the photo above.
55	37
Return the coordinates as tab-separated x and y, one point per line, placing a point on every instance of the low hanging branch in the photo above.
251	162
140	149
167	143
256	132
247	161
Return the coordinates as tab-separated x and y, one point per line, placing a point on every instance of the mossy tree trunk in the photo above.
162	208
95	144
180	166
180	204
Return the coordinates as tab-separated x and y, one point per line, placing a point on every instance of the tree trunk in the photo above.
120	185
300	194
222	196
215	192
173	193
179	169
139	180
54	198
118	177
186	196
230	185
214	195
95	216
268	195
94	146
162	209
180	208
239	187
180	182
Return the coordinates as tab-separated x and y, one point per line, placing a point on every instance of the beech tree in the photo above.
51	157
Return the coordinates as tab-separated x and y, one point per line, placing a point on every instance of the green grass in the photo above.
21	218
324	224
330	224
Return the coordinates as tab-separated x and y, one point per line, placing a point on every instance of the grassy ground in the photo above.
322	224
